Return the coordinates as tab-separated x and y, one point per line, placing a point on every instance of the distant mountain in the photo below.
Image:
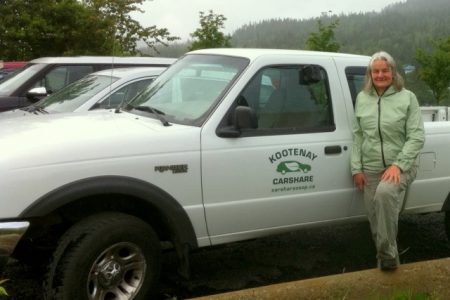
398	29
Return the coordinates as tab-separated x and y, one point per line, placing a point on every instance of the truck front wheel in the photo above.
106	256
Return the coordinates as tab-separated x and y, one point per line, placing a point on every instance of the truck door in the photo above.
277	160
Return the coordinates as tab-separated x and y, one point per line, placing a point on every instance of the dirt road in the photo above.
299	255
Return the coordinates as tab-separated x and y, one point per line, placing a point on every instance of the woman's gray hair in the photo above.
397	80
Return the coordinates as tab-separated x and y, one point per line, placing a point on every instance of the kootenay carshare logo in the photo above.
292	166
295	167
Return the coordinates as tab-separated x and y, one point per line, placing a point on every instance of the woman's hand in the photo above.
392	174
360	180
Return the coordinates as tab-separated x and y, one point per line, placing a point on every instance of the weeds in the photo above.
409	295
2	289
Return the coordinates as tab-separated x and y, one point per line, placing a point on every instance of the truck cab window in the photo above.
355	79
290	99
61	76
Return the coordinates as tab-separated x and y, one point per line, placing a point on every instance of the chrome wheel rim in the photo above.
117	273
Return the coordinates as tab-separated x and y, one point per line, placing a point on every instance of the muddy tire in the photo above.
105	256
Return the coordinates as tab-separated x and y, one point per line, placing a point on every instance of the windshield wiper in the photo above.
40	109
159	114
34	109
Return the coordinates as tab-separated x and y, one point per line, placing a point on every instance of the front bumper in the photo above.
10	235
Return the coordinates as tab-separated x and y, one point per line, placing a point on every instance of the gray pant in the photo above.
383	202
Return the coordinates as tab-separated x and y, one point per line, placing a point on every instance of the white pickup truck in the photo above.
226	145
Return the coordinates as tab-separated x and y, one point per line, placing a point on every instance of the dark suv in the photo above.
44	76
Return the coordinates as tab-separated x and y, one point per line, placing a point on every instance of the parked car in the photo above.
44	76
7	67
103	89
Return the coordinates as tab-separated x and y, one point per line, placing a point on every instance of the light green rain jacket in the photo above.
386	130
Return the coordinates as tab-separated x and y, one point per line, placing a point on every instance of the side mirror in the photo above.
244	117
36	94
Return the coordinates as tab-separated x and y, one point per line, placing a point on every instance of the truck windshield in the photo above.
10	84
75	94
190	88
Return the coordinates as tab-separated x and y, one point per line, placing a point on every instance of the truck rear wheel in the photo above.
106	256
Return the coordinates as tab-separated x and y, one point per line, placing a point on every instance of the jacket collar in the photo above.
390	91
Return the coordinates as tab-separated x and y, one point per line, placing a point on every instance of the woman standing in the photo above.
388	135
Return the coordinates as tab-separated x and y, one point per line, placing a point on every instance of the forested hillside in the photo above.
399	29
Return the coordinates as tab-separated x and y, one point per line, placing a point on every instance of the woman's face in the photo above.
381	75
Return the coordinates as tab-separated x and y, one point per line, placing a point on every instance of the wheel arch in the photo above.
135	196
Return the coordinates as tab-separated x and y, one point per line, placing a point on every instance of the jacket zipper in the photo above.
379	130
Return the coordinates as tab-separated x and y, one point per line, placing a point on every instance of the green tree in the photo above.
419	88
209	34
127	31
35	28
30	29
435	68
323	40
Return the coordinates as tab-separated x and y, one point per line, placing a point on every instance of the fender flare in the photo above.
174	214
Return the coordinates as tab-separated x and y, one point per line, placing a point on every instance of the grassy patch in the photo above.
408	295
3	292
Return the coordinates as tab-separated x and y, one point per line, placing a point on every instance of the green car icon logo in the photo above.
292	166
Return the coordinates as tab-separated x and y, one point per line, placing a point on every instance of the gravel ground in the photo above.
298	255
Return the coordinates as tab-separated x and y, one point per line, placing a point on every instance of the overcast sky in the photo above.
181	17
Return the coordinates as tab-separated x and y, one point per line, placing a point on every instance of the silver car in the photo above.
104	89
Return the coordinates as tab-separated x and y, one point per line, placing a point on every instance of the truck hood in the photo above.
39	140
15	113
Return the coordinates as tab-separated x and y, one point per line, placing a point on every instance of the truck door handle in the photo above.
333	149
